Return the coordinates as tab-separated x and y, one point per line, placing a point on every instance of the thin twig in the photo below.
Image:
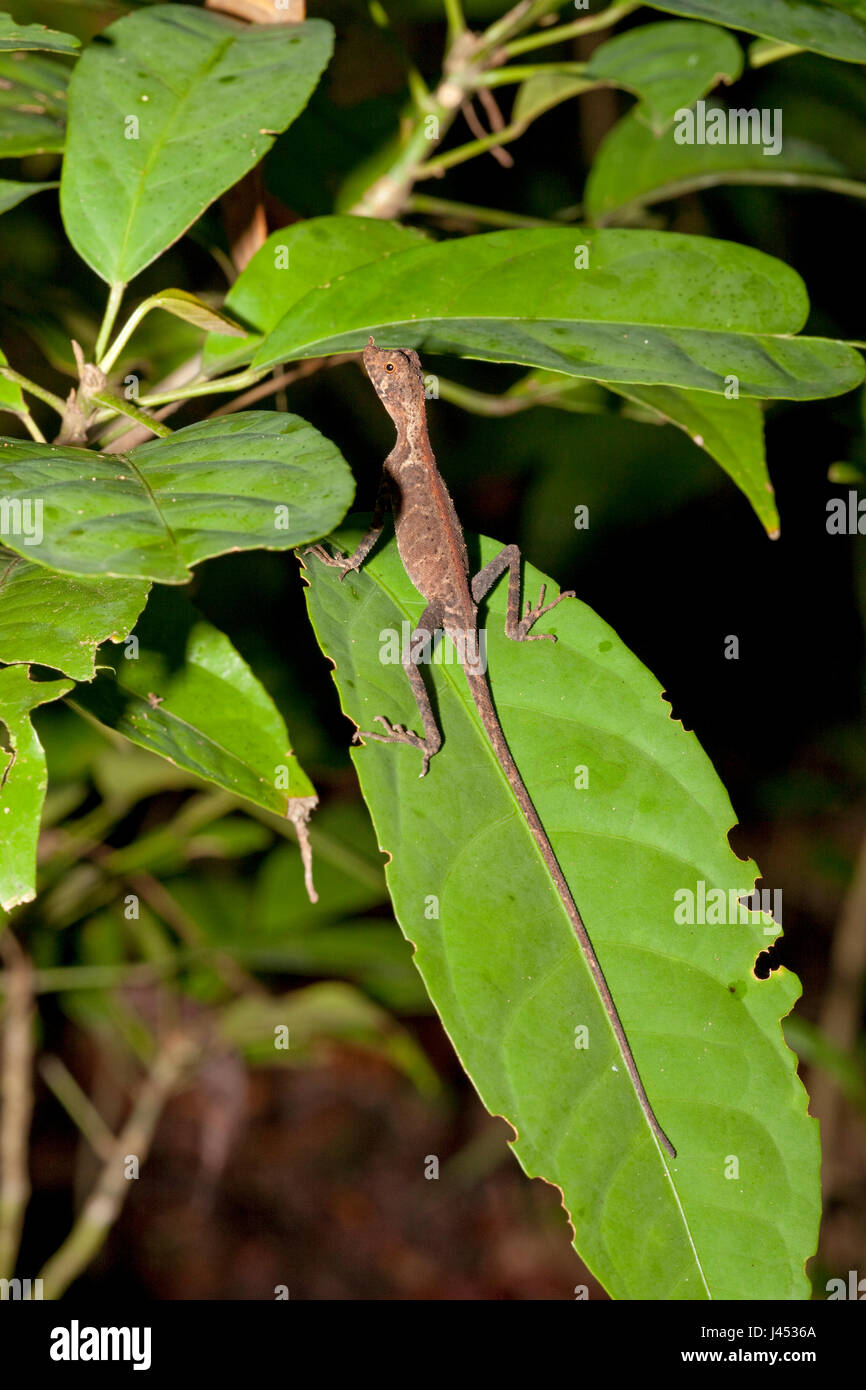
17	1089
105	1202
78	1105
276	383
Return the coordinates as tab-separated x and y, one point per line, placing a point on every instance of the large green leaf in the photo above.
635	168
802	23
292	262
22	781
651	308
21	36
190	697
255	480
667	65
59	620
170	107
736	1213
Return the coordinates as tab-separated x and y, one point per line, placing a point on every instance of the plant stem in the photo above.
33	390
612	15
489	217
31	426
455	19
109	357
435	167
206	388
522	72
115	296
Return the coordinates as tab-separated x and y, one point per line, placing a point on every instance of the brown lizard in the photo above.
432	548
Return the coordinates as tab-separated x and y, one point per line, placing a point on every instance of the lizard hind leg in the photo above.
517	628
431	619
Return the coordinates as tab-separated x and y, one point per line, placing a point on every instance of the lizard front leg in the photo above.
349	563
431	619
517	628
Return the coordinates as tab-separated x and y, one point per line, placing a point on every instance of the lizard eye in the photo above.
389	366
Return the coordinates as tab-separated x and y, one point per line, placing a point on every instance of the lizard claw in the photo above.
396	733
338	562
531	616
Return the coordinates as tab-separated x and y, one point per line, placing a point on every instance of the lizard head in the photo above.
398	378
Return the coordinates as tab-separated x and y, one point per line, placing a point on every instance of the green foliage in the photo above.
168	854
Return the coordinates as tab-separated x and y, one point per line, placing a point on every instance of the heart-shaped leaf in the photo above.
667	65
167	109
649	308
23	780
255	480
58	619
639	821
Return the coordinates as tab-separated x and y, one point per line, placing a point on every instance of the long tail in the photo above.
484	704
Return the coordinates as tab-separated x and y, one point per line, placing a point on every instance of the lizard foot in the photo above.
338	562
395	733
532	615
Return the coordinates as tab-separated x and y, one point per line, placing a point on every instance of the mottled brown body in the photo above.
433	551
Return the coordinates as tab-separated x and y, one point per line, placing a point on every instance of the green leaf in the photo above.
190	697
11	398
803	23
650	308
22	781
20	36
294	261
668	66
731	431
543	91
635	168
505	972
33	81
14	191
168	109
57	620
315	1017
23	133
193	310
255	480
